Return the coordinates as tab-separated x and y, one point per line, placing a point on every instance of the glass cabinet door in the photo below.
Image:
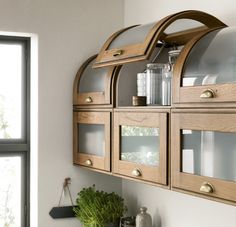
137	42
92	86
92	139
204	153
140	145
208	73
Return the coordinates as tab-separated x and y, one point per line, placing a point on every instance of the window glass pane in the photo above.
92	139
10	191
140	145
11	71
209	153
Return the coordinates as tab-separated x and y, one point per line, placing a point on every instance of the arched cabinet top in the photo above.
92	86
205	71
137	42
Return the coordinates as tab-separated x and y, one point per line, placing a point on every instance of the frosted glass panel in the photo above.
132	36
93	80
10	192
92	139
212	60
208	153
182	24
140	145
11	77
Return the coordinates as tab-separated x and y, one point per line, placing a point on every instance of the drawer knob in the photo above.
207	94
207	187
88	162
137	172
88	100
118	53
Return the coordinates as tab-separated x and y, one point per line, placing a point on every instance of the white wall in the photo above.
170	208
68	33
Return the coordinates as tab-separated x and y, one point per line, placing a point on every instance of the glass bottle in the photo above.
167	78
143	219
153	83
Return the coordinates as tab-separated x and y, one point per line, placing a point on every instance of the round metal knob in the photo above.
88	100
118	53
137	173
207	187
207	94
88	162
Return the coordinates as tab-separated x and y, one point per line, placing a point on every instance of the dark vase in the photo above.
114	224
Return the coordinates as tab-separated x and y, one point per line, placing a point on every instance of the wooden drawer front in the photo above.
93	98
221	93
208	167
85	153
128	166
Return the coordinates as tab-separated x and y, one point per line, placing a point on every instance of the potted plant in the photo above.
98	208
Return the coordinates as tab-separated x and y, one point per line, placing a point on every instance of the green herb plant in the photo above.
98	208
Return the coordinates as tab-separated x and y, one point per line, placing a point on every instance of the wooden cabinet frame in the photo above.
142	51
210	120
156	174
86	117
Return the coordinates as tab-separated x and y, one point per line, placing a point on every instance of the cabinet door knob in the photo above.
118	53
137	172
207	94
207	187
88	162
88	100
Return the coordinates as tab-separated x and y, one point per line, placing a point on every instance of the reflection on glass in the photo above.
92	139
208	153
140	145
212	60
131	36
10	191
93	80
10	91
181	25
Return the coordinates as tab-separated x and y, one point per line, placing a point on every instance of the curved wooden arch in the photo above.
142	51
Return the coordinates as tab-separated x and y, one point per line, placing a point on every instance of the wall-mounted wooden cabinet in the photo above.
113	136
140	145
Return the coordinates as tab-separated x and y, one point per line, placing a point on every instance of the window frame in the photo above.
21	147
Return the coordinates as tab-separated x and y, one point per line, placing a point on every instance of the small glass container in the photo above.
141	84
166	85
143	219
153	83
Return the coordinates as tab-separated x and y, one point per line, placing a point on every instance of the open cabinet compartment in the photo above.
137	43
